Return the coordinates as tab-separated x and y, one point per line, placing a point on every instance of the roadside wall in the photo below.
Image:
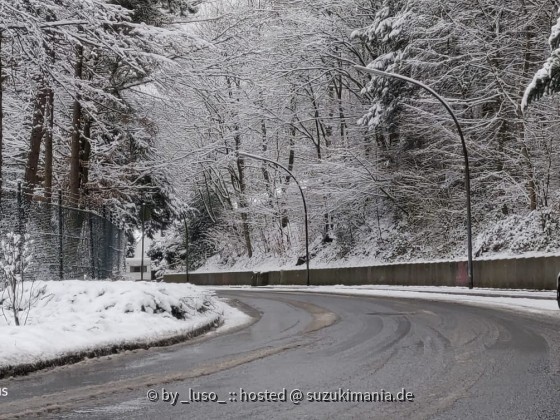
521	273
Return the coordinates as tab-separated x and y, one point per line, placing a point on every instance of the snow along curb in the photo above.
72	320
76	357
541	302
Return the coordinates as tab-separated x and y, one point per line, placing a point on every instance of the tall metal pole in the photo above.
302	199
21	234
60	238
186	247
105	257
91	245
465	156
142	254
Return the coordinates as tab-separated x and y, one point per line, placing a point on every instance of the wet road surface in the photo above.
457	361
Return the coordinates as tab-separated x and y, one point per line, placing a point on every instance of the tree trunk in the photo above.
85	153
242	202
327	226
13	304
527	59
48	183
291	158
240	161
341	115
37	134
317	129
1	116
530	174
74	176
264	167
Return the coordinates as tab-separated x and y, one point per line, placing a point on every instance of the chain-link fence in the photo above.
63	242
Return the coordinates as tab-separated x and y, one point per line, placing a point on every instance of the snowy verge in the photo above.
73	320
264	264
543	302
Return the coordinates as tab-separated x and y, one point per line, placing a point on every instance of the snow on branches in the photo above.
15	258
547	80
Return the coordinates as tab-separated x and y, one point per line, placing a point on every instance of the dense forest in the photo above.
71	121
120	102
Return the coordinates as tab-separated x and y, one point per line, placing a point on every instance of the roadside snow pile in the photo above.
75	319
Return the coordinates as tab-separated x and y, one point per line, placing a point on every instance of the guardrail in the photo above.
539	273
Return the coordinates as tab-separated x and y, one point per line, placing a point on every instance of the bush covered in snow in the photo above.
15	258
98	317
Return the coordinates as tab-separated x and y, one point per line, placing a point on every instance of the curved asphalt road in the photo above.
459	361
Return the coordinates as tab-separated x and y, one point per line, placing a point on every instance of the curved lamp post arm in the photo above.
261	158
465	155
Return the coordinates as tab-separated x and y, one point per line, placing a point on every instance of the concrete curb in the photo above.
481	294
71	358
510	293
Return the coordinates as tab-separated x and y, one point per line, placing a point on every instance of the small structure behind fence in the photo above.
66	242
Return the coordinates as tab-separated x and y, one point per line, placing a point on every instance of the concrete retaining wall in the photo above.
522	273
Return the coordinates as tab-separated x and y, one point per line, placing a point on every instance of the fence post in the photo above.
105	260
119	245
110	245
20	230
186	247
60	244
19	210
142	256
92	245
99	254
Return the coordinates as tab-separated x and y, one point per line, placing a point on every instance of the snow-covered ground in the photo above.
536	234
79	317
262	262
523	300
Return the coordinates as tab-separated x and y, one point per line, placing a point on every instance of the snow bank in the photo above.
75	319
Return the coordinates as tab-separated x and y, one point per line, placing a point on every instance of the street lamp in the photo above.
263	159
142	253
465	156
185	222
